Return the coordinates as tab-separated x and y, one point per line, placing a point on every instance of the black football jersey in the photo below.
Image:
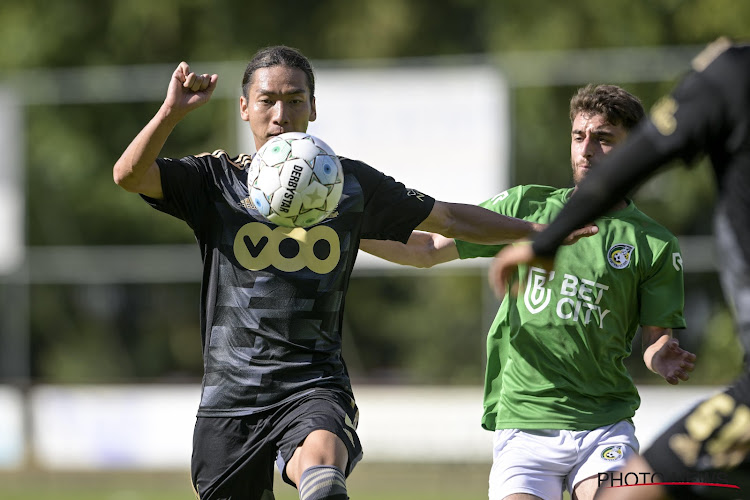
272	298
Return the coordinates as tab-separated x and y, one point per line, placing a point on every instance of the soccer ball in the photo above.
295	180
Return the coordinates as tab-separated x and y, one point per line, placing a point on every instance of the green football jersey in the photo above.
556	351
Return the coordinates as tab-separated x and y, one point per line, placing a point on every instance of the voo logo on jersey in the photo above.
257	246
579	297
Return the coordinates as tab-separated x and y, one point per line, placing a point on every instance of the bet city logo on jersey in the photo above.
257	247
579	297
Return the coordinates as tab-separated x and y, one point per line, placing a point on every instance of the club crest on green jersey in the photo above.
612	453
619	255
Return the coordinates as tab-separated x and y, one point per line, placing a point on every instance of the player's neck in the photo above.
623	203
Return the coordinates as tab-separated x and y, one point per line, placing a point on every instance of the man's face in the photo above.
592	137
278	101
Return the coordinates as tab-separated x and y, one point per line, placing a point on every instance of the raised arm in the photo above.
136	169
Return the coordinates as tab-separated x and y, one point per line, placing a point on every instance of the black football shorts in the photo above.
233	456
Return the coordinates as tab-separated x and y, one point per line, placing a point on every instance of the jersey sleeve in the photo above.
505	203
681	125
392	211
662	292
185	184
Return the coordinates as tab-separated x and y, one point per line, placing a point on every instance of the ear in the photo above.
313	111
243	109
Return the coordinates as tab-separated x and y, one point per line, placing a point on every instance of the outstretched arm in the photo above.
136	170
476	224
663	355
455	220
446	222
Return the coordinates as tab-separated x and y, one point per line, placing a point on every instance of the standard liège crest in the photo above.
248	203
619	255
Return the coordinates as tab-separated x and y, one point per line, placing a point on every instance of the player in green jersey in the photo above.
557	393
705	453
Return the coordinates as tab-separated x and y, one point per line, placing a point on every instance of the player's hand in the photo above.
187	90
671	361
506	262
584	232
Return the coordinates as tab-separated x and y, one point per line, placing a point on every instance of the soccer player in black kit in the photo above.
707	113
275	386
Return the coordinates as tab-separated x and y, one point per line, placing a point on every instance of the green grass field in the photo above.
370	481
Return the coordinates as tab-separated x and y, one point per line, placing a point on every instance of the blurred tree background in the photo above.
424	327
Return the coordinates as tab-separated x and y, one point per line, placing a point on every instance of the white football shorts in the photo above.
544	462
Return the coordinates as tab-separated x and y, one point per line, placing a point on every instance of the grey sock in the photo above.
322	482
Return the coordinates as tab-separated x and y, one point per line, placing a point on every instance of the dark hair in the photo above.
618	106
278	55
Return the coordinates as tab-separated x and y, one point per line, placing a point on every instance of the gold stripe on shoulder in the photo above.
217	153
244	160
711	52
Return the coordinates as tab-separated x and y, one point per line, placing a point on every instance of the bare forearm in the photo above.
422	250
653	339
132	168
137	170
476	224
